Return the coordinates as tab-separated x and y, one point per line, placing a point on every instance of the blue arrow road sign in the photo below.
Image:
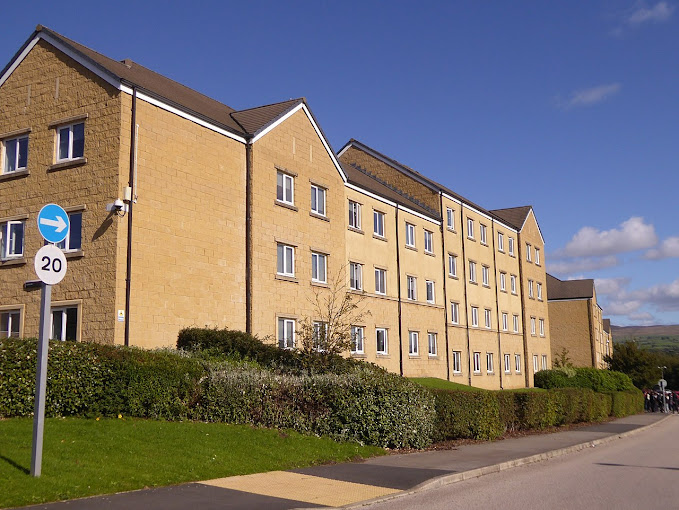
53	223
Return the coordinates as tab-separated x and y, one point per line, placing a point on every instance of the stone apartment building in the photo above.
577	323
234	218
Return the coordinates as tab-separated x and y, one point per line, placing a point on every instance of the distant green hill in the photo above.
653	338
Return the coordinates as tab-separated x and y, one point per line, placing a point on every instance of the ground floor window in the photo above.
508	363
431	337
286	333
544	362
65	324
489	362
414	342
457	362
477	362
356	339
381	339
536	368
517	363
9	323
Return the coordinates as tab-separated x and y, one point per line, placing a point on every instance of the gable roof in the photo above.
569	289
126	74
607	325
515	216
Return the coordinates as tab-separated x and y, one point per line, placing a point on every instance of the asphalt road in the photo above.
636	472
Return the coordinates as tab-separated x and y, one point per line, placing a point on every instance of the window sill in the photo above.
411	248
453	276
285	278
379	237
285	205
18	261
430	253
17	174
75	254
358	355
319	284
484	244
433	356
473	283
471	239
354	229
485	285
457	374
70	163
383	355
451	230
413	356
319	216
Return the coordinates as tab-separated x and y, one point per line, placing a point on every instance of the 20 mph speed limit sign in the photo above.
50	264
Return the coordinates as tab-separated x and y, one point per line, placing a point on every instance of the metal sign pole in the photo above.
41	379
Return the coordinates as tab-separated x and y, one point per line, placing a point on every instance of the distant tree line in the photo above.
641	365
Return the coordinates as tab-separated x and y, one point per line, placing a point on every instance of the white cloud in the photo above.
610	286
590	96
569	267
669	248
661	11
631	235
665	296
622	307
645	317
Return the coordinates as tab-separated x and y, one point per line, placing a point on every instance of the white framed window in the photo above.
490	367
428	241
410	235
539	288
357	338
411	283
483	233
517	363
511	246
10	323
508	364
541	323
64	324
285	188
544	362
286	333
354	215
450	218
318	200
431	340
532	326
457	362
319	265
537	256
12	239
14	154
530	289
470	228
378	223
536	367
487	318
380	281
381	341
320	336
475	316
70	142
73	241
477	362
431	298
485	275
454	312
503	282
505	321
413	343
472	271
501	242
286	259
512	283
516	323
355	276
452	266
529	258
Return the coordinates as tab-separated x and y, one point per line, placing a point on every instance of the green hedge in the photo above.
584	377
368	404
464	414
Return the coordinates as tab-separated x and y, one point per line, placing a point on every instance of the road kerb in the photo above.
443	480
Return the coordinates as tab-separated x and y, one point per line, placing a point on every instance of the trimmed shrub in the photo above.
464	414
625	403
584	377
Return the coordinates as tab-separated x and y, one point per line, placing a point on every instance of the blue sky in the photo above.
570	106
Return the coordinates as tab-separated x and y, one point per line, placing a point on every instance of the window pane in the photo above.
10	155
78	140
75	231
4	325
71	324
281	257
57	318
63	143
279	186
23	152
288	188
288	260
321	201
16	239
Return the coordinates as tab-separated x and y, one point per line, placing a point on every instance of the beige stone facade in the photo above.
577	323
239	218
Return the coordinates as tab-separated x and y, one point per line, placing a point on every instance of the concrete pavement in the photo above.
352	484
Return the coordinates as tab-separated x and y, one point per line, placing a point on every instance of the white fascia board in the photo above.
369	194
448	197
282	119
568	299
467	206
19	59
507	227
344	149
187	116
419	215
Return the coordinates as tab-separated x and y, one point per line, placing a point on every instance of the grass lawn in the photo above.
84	457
